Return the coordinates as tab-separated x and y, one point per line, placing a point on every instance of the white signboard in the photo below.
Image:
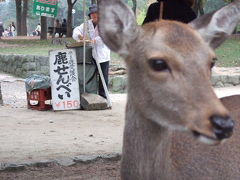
64	79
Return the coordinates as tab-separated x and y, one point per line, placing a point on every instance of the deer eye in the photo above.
158	64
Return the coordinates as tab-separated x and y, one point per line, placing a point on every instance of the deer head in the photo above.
169	67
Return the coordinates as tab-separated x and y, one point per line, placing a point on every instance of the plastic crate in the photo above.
40	96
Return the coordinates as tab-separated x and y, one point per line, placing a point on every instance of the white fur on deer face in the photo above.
169	65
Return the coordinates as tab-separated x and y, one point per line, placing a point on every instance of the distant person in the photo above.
12	29
57	23
64	23
64	28
178	10
38	30
1	30
5	33
57	26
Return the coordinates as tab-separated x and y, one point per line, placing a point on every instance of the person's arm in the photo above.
97	39
78	33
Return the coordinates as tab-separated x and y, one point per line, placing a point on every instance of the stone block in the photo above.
65	161
234	80
85	158
43	60
45	70
215	79
118	83
93	102
19	72
219	84
30	66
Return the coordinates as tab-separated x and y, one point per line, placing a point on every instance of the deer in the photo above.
176	128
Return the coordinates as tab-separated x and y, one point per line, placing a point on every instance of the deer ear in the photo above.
117	26
215	27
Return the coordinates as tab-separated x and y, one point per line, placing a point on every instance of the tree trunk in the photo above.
134	8
69	17
18	16
54	27
24	18
43	28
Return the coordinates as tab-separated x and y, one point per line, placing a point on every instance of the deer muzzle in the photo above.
222	126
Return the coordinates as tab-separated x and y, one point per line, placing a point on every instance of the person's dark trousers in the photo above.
104	67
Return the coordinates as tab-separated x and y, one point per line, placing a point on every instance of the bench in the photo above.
60	30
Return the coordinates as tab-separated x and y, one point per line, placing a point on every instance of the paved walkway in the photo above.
28	136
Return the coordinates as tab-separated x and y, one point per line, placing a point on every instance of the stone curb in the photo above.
11	167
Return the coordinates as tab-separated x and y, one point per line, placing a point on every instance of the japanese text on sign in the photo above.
64	80
45	8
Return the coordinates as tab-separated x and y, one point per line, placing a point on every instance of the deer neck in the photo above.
151	142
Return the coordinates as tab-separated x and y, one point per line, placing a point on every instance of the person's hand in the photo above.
81	37
93	41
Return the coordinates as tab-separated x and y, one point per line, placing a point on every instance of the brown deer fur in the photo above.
167	103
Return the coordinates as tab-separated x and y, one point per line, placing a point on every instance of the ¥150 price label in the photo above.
75	104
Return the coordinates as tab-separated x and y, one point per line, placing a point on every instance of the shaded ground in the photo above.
99	170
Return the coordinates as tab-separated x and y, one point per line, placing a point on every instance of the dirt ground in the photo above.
98	170
28	136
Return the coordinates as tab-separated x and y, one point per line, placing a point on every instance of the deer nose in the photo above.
222	126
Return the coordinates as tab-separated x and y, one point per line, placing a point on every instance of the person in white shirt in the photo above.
12	29
38	29
100	51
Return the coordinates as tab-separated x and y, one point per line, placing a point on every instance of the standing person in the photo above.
57	26
100	51
1	30
57	23
64	23
12	29
64	28
178	10
10	33
38	29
